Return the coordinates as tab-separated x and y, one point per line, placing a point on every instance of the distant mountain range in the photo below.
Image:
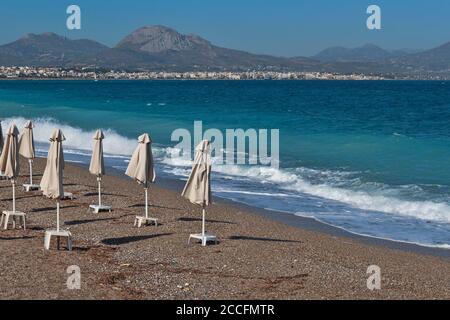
164	49
148	48
366	53
434	60
47	49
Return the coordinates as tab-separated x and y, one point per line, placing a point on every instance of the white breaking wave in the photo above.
265	194
76	138
290	181
426	210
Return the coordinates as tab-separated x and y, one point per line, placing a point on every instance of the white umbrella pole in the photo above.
30	161
203	222
14	195
57	216
146	203
99	179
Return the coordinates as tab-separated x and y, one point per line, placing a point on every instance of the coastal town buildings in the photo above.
26	72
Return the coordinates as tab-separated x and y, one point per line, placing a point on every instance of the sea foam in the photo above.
76	138
293	181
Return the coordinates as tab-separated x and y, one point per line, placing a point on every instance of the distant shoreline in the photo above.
92	73
206	79
25	72
293	80
100	80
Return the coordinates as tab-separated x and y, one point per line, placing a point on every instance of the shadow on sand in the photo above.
142	205
92	194
23	197
51	208
78	222
187	219
16	238
125	240
262	239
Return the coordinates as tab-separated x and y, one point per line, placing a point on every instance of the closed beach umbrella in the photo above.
26	146
2	142
1	137
52	180
141	167
97	166
9	160
26	141
198	186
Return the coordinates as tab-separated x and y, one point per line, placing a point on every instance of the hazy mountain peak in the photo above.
50	34
47	49
159	38
41	35
369	46
366	53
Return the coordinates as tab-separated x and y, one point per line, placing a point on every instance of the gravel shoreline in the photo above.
257	258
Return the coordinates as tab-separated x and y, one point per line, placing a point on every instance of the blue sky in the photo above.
279	27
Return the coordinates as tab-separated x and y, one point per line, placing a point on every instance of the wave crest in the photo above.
76	138
294	181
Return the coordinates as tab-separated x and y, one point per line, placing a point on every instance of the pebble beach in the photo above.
256	258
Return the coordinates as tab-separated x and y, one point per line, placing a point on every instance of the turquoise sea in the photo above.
372	158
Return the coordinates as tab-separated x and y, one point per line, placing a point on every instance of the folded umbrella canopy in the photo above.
198	186
26	149
26	141
141	167
2	142
9	160
97	168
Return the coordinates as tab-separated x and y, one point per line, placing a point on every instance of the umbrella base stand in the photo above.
140	220
204	239
97	208
58	234
31	187
67	196
14	214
